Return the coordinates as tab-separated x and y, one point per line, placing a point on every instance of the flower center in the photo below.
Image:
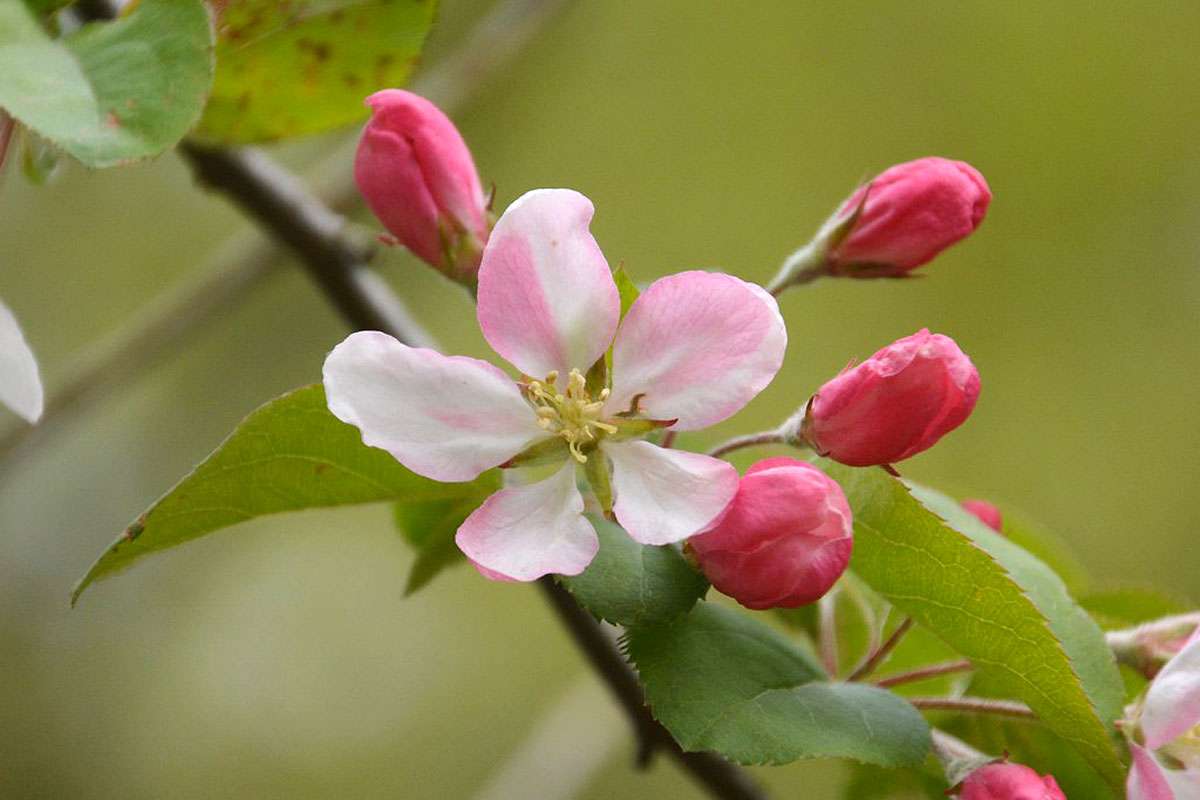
573	415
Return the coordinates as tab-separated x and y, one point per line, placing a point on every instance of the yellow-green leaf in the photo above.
287	69
289	455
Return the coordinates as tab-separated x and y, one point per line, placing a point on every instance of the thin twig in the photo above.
245	261
748	440
330	252
975	705
873	660
925	673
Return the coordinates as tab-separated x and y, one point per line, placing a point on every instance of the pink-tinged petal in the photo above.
524	532
1147	779
697	346
665	496
445	417
20	386
547	300
491	574
1172	704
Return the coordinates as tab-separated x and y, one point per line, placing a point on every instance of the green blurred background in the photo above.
280	659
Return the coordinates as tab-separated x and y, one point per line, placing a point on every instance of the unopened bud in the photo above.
1003	780
783	541
909	214
417	175
896	404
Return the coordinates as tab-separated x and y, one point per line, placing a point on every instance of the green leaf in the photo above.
635	584
993	602
287	69
429	526
113	92
290	454
720	680
626	288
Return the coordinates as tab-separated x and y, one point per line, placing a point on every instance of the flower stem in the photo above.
827	609
748	440
801	267
925	673
976	705
873	660
958	759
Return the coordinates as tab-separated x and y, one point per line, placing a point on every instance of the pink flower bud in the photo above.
783	541
417	175
913	211
1006	781
987	513
895	404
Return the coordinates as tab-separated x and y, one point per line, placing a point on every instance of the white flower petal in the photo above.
20	386
547	300
697	346
524	532
664	495
445	417
1172	704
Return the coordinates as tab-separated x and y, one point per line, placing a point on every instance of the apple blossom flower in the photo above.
784	540
896	404
987	513
20	386
909	214
1004	780
1166	760
417	175
691	351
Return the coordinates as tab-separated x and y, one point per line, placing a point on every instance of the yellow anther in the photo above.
572	414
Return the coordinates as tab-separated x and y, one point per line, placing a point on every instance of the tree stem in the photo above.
977	705
873	660
925	673
748	440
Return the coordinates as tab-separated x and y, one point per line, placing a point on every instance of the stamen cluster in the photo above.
573	415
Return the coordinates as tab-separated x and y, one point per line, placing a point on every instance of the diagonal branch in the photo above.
246	261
